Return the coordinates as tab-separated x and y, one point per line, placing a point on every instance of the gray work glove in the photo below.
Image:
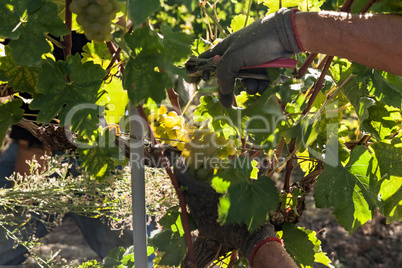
262	41
203	201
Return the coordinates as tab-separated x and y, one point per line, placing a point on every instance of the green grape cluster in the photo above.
205	151
95	17
168	127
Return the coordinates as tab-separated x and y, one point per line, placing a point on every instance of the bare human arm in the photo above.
368	39
272	255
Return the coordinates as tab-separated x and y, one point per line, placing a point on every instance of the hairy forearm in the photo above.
371	40
273	255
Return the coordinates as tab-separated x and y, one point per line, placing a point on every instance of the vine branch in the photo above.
67	40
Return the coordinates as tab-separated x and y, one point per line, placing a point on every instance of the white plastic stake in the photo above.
138	188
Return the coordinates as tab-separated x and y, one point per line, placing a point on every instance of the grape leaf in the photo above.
10	113
347	189
25	22
319	255
56	95
391	196
378	6
389	159
264	115
246	201
250	202
386	91
142	79
116	103
143	82
139	10
166	241
380	121
98	53
238	22
298	244
172	236
177	44
98	159
20	78
219	119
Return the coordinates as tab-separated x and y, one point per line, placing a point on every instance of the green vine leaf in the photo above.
150	69
380	119
172	237
74	100
386	90
391	196
177	44
10	113
319	255
389	159
347	189
220	120
247	201
264	115
99	160
20	78
25	22
298	244
140	10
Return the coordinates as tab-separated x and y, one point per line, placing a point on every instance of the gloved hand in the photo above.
262	41
203	201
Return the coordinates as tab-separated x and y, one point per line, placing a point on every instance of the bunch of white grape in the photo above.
95	17
168	127
202	149
206	151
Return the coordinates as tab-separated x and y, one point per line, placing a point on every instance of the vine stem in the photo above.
347	5
67	42
215	20
318	85
367	6
248	12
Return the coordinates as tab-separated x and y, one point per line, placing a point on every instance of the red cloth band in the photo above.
262	243
292	18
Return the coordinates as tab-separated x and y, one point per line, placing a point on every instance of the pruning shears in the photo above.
200	68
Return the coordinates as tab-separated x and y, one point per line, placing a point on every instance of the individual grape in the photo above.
152	117
108	8
180	146
179	120
160	130
162	109
94	10
185	153
172	114
116	6
103	19
232	150
82	3
170	122
75	8
102	2
162	117
80	19
96	28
